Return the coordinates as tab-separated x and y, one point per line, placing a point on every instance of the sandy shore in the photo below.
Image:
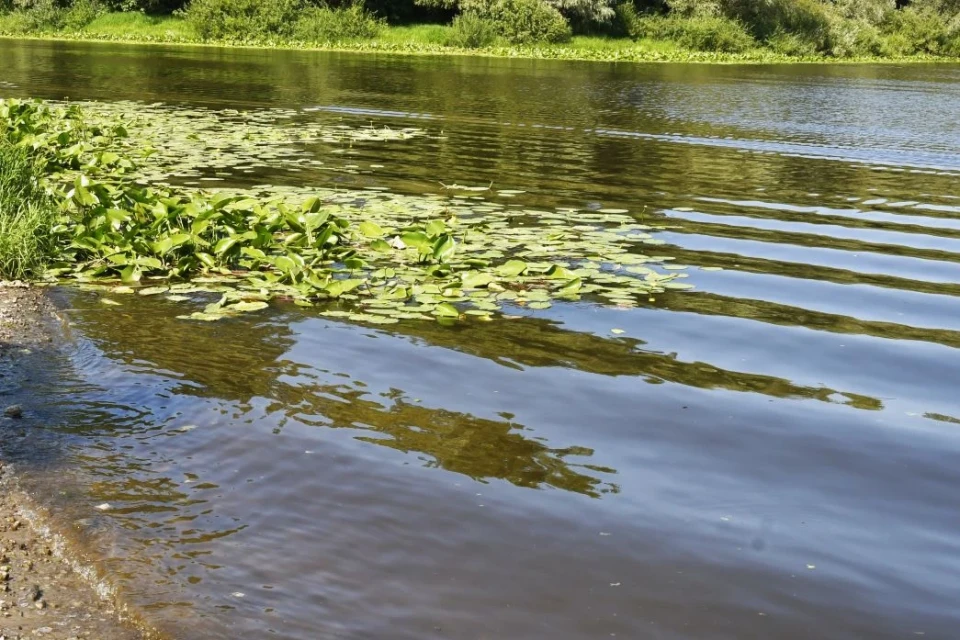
44	592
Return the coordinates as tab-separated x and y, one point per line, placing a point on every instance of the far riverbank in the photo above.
428	39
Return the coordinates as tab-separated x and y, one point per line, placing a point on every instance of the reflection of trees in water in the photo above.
241	360
481	104
476	447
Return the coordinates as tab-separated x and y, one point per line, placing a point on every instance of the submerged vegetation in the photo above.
367	255
586	29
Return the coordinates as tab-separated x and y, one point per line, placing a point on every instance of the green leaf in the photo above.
571	288
285	264
512	268
417	240
251	252
560	273
243	307
475	279
83	197
225	245
339	287
446	310
370	229
443	248
131	274
153	291
436	227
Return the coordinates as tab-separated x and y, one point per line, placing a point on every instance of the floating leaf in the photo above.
370	229
512	268
243	307
446	310
475	279
152	291
339	287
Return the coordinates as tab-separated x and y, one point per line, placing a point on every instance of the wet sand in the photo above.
45	592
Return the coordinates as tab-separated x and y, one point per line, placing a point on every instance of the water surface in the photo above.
773	455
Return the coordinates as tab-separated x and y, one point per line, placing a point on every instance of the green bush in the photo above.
625	20
26	215
243	19
855	37
871	12
919	30
324	24
790	44
471	31
699	33
808	20
585	12
39	16
81	13
525	21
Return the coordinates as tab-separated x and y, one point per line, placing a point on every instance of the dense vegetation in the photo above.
804	28
383	258
26	214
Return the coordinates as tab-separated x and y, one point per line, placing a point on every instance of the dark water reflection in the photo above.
774	455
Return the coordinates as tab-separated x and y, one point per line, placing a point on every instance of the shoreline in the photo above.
635	54
47	588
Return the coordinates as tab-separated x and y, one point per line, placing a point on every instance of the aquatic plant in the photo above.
382	257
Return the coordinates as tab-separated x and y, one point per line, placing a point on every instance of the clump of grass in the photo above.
471	31
26	215
346	23
698	33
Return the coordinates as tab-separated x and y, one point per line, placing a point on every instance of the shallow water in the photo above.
772	455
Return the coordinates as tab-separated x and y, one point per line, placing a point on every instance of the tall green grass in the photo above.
26	215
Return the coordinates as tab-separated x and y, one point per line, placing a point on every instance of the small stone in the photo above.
13	411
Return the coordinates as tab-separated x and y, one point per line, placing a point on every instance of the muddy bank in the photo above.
44	591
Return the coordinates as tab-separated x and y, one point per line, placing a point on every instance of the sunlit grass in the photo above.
26	215
135	25
424	34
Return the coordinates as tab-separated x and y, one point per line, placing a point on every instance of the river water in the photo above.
774	454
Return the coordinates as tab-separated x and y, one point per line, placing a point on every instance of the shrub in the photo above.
912	30
243	19
525	21
81	13
871	12
625	20
808	20
585	12
700	33
324	24
855	37
471	31
39	15
790	44
26	215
